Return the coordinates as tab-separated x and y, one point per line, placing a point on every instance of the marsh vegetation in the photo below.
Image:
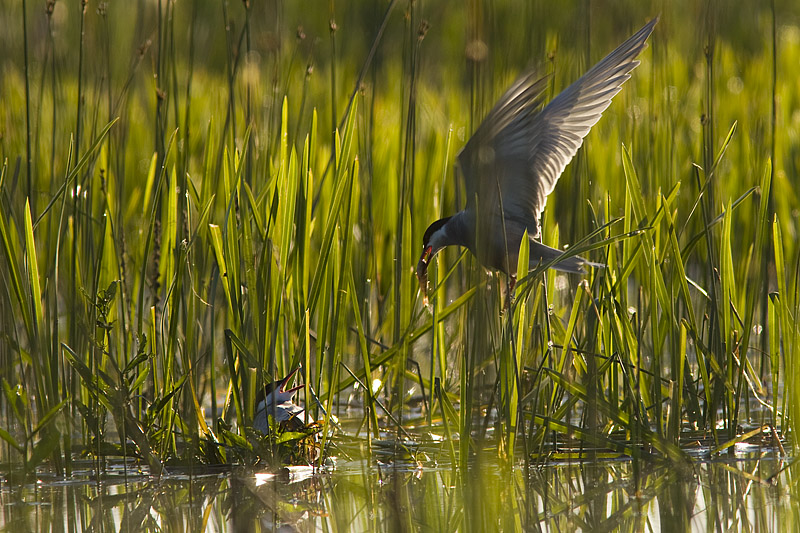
198	197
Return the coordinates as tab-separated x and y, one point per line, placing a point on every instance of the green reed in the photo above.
193	229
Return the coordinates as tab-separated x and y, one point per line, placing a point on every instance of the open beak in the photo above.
422	273
288	379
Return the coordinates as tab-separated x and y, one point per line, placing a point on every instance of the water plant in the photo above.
191	207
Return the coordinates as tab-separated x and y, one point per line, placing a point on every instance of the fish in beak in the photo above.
422	273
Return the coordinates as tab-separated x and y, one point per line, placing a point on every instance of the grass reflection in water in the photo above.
745	492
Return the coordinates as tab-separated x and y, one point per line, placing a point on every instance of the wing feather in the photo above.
514	159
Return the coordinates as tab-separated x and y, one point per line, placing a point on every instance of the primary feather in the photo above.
514	159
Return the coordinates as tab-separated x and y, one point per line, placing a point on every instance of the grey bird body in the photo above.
276	400
514	159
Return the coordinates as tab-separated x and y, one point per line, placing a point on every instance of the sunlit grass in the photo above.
220	220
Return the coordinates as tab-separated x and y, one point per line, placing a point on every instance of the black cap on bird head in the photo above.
428	251
278	391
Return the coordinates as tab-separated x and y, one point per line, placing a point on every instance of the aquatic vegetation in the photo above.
194	203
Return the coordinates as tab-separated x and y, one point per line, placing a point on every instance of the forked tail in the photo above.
540	254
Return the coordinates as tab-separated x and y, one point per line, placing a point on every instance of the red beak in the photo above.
288	379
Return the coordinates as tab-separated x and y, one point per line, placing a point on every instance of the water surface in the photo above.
750	489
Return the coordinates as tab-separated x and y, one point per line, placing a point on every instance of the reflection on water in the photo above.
745	492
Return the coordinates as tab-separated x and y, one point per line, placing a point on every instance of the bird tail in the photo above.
540	253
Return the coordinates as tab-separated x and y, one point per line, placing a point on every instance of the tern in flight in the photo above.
514	159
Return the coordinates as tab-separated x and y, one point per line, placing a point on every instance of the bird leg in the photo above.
511	283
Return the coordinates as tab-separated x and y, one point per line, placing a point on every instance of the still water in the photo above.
750	489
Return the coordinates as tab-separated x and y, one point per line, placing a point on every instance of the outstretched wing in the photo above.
519	151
